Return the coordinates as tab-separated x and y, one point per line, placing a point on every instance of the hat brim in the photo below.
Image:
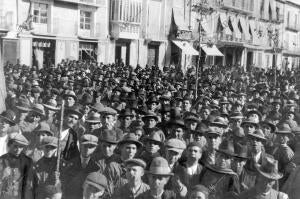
149	116
225	152
92	121
44	131
218	124
275	176
53	108
70	111
11	122
137	143
159	174
39	113
258	137
89	142
248	122
98	186
23	108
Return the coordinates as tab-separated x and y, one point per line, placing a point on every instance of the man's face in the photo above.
197	195
49	151
205	113
223	161
249	128
15	149
151	122
256	145
128	151
70	101
91	192
41	136
191	125
264	184
238	165
178	132
4	126
127	121
172	156
186	105
72	120
152	147
157	182
282	139
109	120
266	129
86	150
134	172
153	106
213	141
108	149
194	153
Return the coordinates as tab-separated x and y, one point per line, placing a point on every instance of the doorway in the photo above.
122	52
249	61
153	53
43	52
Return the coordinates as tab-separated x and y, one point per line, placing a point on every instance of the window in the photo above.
126	11
40	13
85	20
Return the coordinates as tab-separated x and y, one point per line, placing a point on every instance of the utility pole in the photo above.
203	8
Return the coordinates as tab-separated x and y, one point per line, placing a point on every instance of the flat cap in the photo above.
50	141
137	162
109	111
175	145
18	138
96	179
89	139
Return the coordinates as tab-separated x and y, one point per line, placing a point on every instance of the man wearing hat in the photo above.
16	170
92	122
126	118
188	171
159	174
50	110
34	150
115	171
220	179
69	137
213	138
267	176
105	154
153	144
269	130
70	98
283	153
35	116
109	122
75	170
95	186
45	168
135	186
7	119
174	149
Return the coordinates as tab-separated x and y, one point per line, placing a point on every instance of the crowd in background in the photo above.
83	129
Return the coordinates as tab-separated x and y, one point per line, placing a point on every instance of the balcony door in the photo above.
153	51
122	52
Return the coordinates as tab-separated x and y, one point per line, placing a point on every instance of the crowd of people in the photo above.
86	130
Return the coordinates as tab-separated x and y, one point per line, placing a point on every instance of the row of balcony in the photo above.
244	6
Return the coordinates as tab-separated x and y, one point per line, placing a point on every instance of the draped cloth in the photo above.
39	54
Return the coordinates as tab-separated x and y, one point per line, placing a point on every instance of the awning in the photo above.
245	28
211	51
236	30
178	17
224	23
186	47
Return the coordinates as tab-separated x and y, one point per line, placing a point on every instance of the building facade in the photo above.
153	32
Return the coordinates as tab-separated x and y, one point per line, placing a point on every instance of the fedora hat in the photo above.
43	127
269	169
219	122
70	93
9	116
250	121
109	136
268	122
154	137
236	115
284	128
23	105
125	113
159	166
240	151
93	118
130	138
150	114
226	147
38	109
258	134
51	105
74	110
98	107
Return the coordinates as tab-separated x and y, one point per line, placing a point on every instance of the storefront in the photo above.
88	51
43	52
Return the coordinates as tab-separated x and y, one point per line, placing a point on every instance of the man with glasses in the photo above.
16	170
